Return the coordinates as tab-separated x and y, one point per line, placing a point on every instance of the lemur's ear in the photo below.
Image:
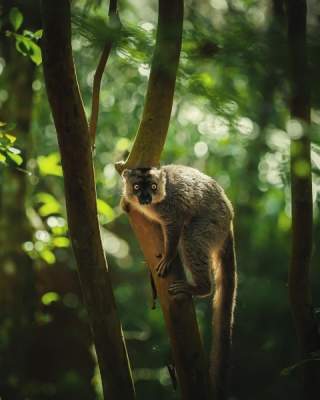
156	171
125	173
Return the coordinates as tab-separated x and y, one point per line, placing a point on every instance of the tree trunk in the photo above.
179	314
301	192
75	147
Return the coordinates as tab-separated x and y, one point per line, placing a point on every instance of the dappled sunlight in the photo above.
232	118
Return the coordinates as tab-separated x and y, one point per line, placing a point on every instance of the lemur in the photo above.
196	217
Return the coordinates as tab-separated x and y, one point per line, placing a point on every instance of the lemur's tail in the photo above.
225	277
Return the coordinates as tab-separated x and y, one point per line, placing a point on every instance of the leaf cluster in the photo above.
26	41
9	154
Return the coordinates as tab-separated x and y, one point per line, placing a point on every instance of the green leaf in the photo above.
44	197
10	138
26	46
105	210
16	158
14	150
50	204
38	34
61	241
59	230
22	46
35	53
49	297
16	18
49	209
50	164
48	256
28	33
2	158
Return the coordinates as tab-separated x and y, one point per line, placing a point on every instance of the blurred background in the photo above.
230	120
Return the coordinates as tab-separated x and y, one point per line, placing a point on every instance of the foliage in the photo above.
26	42
127	37
8	153
230	119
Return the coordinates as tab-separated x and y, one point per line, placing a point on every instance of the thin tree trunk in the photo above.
179	315
75	147
114	20
301	192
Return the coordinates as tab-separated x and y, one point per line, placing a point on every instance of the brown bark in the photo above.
179	314
75	147
301	192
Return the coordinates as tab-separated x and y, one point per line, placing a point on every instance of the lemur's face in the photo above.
145	185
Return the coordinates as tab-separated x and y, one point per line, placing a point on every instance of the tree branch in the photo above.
152	132
115	22
76	158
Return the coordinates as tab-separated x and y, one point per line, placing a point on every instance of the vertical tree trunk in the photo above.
75	147
301	191
179	315
180	318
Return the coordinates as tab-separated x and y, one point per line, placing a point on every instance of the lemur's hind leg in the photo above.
196	252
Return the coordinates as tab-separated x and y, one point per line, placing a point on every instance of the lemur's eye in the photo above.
136	187
154	186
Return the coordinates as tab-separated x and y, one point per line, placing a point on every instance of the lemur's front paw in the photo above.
163	267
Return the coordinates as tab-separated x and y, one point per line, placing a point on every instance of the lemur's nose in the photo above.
145	199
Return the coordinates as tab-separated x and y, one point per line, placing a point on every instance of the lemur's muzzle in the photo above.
145	198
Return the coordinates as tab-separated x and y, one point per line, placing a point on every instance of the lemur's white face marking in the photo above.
144	185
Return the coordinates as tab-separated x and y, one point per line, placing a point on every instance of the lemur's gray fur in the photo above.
196	217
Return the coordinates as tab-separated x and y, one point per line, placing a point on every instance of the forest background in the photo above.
230	119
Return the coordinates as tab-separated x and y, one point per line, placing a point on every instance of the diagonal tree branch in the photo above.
115	23
179	314
75	147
